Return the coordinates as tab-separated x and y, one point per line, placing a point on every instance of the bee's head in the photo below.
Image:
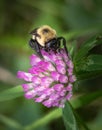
43	34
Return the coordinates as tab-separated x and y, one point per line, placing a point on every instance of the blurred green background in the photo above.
76	20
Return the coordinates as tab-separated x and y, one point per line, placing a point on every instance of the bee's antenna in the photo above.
33	31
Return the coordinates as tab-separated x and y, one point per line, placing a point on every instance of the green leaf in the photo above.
94	63
11	93
89	67
88	45
69	118
84	75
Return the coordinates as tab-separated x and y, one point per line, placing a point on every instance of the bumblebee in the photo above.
46	38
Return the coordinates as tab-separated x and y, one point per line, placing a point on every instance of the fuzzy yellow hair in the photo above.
45	33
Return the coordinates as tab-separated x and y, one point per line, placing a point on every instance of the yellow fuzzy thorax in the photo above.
46	33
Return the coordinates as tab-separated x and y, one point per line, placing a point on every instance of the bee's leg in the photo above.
58	46
37	48
34	45
64	43
51	45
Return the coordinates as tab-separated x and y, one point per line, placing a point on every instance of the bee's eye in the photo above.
45	30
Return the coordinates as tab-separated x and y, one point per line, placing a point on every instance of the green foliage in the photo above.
88	65
88	45
11	93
